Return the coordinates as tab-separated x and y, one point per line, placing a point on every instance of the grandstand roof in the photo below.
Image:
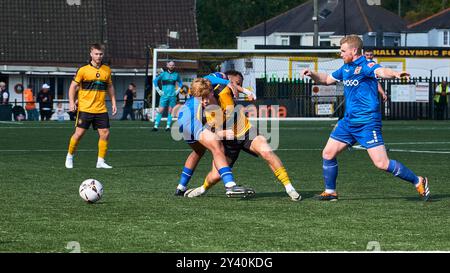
360	18
48	32
440	20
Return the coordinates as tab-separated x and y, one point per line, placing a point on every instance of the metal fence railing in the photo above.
399	106
17	110
298	98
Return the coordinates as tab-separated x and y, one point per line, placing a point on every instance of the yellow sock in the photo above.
72	145
207	185
102	148
282	176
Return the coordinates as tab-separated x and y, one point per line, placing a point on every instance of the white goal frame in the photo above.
262	52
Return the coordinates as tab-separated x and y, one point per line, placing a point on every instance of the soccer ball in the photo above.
91	190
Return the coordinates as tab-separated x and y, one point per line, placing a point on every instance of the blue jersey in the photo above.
191	119
216	78
168	81
362	104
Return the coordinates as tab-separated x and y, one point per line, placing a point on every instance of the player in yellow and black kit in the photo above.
238	134
92	81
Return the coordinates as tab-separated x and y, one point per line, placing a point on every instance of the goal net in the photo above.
274	75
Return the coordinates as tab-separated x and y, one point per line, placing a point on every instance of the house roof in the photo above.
360	18
59	32
440	20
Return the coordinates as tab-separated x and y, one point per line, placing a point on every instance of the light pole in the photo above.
265	40
173	35
316	23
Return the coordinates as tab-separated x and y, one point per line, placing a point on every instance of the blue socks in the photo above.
158	119
330	172
227	176
185	177
169	120
225	173
400	170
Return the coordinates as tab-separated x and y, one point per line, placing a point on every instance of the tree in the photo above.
415	10
220	22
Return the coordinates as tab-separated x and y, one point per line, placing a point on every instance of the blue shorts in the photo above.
166	101
189	126
367	135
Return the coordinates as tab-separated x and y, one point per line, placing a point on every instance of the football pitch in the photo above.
41	210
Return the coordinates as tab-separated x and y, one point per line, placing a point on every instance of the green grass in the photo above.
41	210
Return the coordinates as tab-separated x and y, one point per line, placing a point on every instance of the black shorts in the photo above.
233	147
98	121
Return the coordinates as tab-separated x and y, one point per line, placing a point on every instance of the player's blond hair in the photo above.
200	87
354	42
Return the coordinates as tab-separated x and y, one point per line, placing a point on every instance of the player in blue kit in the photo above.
362	118
199	137
168	94
218	81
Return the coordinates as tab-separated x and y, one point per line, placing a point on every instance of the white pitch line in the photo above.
150	127
71	127
11	122
132	150
300	149
417	151
358	147
88	150
422	143
384	128
327	128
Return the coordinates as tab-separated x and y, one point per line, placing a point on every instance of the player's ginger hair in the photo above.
200	87
353	41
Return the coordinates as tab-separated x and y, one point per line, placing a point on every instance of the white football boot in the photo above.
69	162
196	192
294	195
103	165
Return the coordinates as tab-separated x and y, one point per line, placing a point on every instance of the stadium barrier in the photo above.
407	100
61	110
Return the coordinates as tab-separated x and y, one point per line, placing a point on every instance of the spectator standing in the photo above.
30	104
128	100
4	93
440	99
45	100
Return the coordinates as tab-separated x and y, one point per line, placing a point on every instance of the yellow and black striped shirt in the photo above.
241	124
93	84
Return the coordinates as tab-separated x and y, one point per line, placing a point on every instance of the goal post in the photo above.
271	72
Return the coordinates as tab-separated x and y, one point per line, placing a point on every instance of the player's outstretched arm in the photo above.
251	95
387	73
319	78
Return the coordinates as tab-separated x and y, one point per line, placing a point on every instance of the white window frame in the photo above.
446	38
324	38
284	40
